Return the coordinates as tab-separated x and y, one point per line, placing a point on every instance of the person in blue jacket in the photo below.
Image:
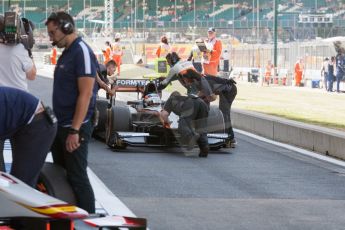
31	128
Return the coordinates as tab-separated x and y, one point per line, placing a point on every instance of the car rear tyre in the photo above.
119	120
215	121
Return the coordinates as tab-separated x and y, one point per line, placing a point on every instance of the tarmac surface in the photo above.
257	185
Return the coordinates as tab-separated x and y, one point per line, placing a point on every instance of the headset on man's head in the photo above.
64	21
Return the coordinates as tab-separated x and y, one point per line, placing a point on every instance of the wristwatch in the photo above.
73	131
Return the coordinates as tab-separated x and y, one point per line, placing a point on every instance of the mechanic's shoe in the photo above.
190	153
192	141
230	143
203	152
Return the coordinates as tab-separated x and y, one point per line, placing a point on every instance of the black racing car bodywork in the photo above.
138	123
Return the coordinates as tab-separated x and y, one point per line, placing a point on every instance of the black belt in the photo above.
38	116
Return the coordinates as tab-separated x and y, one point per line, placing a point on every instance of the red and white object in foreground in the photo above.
19	201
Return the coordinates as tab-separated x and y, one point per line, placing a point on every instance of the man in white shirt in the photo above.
324	72
16	67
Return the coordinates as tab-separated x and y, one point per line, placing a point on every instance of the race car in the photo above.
138	122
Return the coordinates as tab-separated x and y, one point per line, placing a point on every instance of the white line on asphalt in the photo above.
297	149
109	202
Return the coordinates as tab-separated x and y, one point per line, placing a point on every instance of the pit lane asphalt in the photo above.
255	186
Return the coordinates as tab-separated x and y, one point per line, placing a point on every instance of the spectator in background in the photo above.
163	48
107	52
196	56
340	66
268	72
299	68
117	52
226	58
53	56
324	72
331	74
212	56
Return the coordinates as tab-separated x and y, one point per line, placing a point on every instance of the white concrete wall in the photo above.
322	140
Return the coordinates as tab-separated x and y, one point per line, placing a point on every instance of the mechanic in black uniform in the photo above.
190	109
194	81
31	129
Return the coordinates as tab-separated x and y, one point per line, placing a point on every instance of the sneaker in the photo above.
189	153
230	143
203	152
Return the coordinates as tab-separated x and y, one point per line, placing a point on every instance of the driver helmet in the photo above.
152	99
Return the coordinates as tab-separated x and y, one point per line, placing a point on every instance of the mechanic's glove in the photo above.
211	98
161	86
160	79
232	81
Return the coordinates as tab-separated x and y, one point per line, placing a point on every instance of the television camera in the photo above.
17	30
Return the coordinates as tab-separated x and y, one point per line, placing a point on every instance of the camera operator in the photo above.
16	67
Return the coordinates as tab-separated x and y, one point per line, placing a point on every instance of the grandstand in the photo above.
227	15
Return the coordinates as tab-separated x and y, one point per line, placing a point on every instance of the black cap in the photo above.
211	29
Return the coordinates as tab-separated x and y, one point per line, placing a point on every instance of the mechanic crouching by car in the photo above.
190	109
195	82
31	129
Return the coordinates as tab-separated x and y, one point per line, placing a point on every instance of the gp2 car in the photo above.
138	123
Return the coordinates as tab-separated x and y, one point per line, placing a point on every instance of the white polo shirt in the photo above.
14	63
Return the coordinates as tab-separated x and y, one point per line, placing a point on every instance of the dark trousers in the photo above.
194	110
226	66
339	77
198	66
226	97
30	146
2	160
330	78
325	79
75	164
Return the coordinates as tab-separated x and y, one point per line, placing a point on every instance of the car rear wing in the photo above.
133	85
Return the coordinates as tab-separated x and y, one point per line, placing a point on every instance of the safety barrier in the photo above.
315	138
